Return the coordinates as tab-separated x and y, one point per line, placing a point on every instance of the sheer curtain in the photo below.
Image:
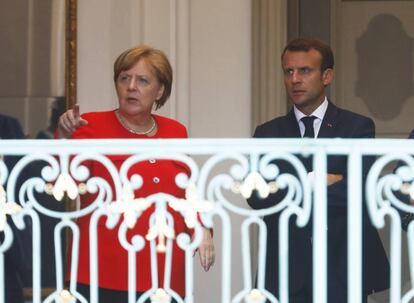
269	32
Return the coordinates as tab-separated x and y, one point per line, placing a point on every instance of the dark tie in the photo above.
309	131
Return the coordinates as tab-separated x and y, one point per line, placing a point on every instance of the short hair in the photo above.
304	44
58	107
156	59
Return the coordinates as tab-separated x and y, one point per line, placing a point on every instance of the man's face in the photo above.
305	82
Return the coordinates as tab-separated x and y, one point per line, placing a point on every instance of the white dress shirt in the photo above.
318	113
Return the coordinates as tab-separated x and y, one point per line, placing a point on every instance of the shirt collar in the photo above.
319	113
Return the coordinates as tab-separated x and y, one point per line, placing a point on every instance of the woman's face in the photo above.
137	89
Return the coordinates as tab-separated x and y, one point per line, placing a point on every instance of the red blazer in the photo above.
157	177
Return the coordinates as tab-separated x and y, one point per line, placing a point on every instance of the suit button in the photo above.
156	180
152	161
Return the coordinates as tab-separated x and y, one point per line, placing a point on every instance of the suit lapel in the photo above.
292	127
329	122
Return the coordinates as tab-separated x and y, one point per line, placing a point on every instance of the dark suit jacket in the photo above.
15	258
336	123
406	218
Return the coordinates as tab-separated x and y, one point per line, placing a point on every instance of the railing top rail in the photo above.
210	145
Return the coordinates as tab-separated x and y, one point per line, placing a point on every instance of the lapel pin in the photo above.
329	125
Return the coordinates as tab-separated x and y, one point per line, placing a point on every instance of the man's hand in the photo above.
333	178
330	179
69	122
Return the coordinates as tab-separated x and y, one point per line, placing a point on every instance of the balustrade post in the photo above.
354	227
320	221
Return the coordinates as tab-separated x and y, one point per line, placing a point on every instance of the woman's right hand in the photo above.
69	122
206	250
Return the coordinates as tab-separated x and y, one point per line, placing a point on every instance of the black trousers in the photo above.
306	297
107	295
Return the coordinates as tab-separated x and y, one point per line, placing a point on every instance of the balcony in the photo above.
223	173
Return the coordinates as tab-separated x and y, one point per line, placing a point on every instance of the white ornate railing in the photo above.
221	169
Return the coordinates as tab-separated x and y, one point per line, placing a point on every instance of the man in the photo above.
406	218
308	71
17	257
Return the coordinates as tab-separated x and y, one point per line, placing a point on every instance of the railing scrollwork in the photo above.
216	177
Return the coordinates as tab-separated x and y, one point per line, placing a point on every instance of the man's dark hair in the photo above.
306	44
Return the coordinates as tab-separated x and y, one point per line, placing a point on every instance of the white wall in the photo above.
220	68
209	45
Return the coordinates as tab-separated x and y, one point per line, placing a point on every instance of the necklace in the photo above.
146	132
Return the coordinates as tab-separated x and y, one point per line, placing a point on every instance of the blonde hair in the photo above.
154	58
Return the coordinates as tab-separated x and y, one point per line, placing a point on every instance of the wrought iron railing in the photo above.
220	170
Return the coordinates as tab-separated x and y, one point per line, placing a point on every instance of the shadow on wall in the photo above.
385	61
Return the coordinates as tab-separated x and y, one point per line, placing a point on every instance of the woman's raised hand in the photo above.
69	122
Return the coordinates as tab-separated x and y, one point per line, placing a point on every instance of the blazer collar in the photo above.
293	127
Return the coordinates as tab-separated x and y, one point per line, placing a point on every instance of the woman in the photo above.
143	80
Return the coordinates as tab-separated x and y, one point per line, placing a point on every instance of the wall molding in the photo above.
180	59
